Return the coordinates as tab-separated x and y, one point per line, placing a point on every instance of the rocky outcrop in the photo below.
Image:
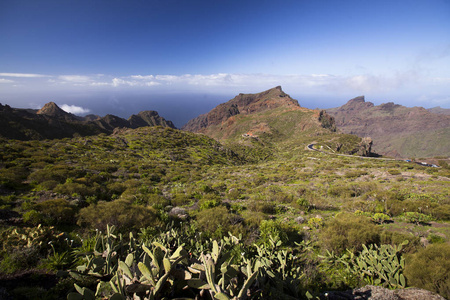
371	292
365	147
327	121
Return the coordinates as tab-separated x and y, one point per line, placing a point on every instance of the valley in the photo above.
236	205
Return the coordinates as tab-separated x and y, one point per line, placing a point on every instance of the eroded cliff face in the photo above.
396	130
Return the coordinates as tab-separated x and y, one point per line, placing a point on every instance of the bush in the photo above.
180	199
218	221
263	206
435	239
430	269
394	172
209	201
380	218
51	212
271	229
347	231
120	213
417	218
303	203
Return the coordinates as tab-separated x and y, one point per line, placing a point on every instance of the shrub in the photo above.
435	239
33	217
120	213
209	201
347	231
394	172
355	173
315	222
51	212
266	207
271	229
303	203
180	199
339	191
417	218
430	269
380	218
218	221
70	188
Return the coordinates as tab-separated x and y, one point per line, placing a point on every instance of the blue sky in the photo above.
111	56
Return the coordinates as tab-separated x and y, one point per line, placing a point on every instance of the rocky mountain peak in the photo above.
243	104
149	118
359	99
357	103
53	110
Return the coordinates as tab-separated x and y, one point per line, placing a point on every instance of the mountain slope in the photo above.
439	110
396	130
251	114
268	120
51	122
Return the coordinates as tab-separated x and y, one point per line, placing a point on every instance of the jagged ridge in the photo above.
52	122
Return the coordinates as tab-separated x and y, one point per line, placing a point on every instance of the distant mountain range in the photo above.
257	120
273	120
396	130
52	122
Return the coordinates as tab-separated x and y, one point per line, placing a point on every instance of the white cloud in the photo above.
26	75
100	83
76	110
75	78
143	77
2	80
152	83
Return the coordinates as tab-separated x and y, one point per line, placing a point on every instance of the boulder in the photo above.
370	292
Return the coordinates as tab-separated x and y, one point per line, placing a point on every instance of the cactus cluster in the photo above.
28	237
377	265
169	266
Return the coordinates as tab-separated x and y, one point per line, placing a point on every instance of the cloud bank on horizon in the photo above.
329	51
326	85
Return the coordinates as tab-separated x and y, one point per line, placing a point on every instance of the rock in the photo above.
417	294
365	147
370	292
424	241
179	212
300	220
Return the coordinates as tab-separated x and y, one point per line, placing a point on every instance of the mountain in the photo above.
396	130
53	111
254	115
52	122
148	118
439	110
272	120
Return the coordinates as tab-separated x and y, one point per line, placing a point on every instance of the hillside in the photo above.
396	130
91	204
76	212
51	122
271	120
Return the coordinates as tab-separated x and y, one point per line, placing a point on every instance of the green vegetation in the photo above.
174	213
